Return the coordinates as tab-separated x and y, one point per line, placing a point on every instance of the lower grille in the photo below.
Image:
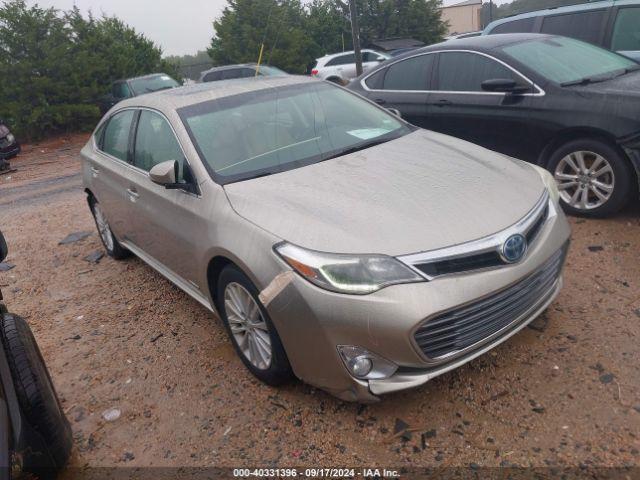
463	327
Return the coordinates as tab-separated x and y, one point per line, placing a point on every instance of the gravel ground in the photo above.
565	392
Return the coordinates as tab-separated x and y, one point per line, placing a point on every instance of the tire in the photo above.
108	239
277	370
615	184
36	396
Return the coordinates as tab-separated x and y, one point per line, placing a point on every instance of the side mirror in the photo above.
395	111
504	85
164	173
4	250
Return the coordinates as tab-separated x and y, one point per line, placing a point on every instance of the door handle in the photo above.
133	194
94	172
380	101
443	103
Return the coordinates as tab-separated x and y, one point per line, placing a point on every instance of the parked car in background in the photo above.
228	72
341	67
9	146
560	103
336	241
132	87
457	36
35	435
613	24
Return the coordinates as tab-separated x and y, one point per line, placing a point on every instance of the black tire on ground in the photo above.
117	252
622	170
36	395
279	371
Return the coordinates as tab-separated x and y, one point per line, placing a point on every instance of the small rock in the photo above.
94	257
430	434
127	457
401	427
111	415
540	323
636	408
595	248
6	266
155	338
74	237
637	312
607	378
75	337
538	409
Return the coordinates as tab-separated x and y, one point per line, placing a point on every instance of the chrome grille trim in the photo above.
529	226
462	329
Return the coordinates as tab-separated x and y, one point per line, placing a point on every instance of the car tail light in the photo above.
314	71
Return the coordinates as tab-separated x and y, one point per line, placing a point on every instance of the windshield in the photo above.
153	84
277	129
565	60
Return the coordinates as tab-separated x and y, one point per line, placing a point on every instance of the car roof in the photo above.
228	67
483	42
560	10
333	55
142	77
175	98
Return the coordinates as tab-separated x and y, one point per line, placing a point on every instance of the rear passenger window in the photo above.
156	143
410	74
375	81
465	72
626	32
116	135
342	60
523	25
211	77
585	26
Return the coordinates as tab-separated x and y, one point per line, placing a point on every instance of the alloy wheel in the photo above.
248	326
585	180
103	227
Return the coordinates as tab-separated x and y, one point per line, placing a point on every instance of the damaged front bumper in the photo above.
312	322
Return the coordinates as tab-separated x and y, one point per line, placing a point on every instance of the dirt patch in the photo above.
116	335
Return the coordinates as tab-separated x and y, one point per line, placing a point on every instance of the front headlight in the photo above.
354	274
549	182
11	139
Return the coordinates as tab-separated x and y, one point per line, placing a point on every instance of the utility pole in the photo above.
490	11
355	33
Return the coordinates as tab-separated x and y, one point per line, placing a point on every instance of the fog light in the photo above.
364	364
360	366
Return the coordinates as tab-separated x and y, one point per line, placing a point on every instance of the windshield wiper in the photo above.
357	148
601	78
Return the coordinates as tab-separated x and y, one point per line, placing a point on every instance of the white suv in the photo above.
341	67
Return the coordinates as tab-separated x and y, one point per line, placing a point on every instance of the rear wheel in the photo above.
111	244
36	396
594	179
252	333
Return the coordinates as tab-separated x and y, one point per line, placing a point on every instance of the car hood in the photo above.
420	192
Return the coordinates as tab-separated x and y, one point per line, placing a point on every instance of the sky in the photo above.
180	28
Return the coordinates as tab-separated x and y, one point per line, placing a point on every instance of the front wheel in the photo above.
252	333
594	178
111	244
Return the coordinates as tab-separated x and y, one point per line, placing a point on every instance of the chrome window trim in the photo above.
540	92
131	165
492	243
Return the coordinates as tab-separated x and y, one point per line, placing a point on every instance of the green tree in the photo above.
294	35
55	66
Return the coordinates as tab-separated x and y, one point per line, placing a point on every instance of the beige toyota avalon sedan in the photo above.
338	244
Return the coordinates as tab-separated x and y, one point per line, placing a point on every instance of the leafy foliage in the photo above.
55	66
294	35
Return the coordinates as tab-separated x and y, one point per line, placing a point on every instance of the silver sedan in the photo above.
338	243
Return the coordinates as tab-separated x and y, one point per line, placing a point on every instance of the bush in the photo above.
55	66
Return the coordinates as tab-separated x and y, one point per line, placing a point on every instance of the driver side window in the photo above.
155	143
